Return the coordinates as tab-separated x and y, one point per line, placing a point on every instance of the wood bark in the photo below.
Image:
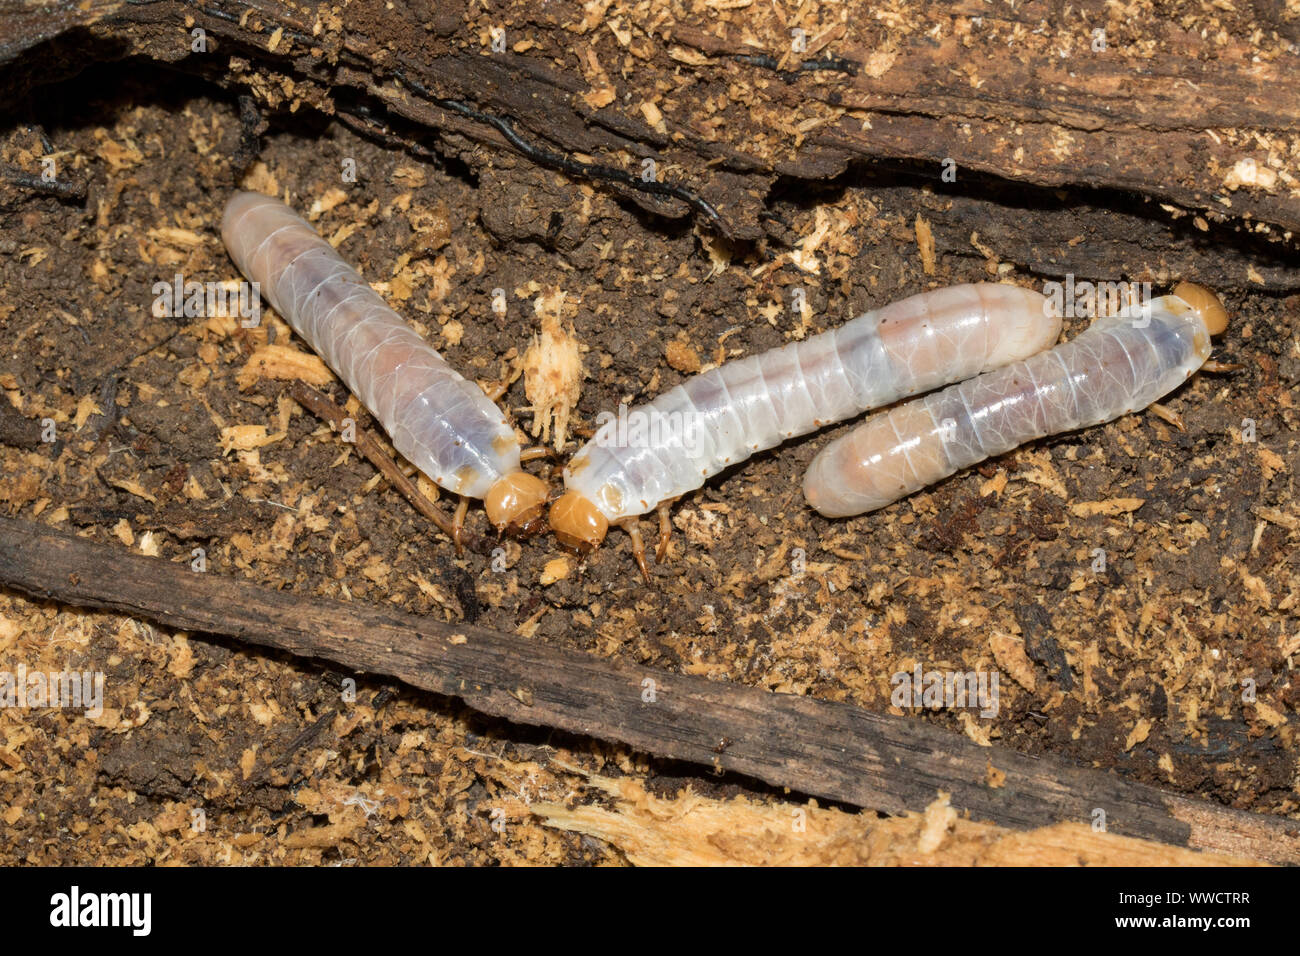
1174	109
822	748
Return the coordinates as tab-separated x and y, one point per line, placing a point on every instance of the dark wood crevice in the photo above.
1159	126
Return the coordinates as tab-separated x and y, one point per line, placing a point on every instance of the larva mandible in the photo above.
442	423
743	407
1118	365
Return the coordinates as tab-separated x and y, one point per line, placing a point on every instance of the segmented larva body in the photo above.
442	423
1118	365
743	407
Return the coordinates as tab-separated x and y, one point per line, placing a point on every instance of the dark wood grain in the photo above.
822	748
1165	118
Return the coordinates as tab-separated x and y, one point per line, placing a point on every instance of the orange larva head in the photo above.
1205	304
514	504
577	522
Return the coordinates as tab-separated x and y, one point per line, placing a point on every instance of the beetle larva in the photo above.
743	407
443	424
1118	365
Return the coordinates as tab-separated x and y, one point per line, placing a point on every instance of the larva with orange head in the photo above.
723	416
439	421
1120	364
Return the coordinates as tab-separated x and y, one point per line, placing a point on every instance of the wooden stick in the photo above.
822	748
323	407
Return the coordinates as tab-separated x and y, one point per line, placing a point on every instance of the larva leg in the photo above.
1215	366
633	529
496	391
665	531
458	523
1167	414
532	454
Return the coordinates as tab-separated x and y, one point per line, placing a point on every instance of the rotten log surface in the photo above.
1173	104
815	747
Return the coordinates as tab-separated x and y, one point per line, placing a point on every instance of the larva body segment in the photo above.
443	424
725	415
1117	366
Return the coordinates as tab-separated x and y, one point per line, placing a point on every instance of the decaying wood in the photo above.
1188	108
815	747
691	829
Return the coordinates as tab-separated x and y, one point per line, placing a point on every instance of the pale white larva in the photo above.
442	423
1118	365
722	416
